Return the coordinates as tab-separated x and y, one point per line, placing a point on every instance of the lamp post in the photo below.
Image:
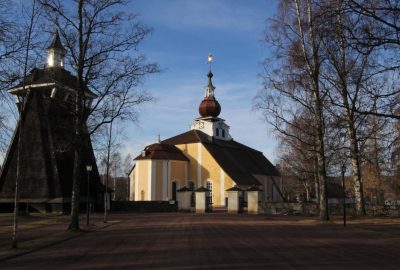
344	194
88	169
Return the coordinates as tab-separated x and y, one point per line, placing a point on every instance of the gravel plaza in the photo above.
207	241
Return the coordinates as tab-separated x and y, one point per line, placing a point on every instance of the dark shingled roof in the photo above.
56	75
240	162
183	189
234	188
162	151
202	189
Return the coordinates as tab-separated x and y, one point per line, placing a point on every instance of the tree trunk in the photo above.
74	223
355	166
343	74
312	59
323	198
79	123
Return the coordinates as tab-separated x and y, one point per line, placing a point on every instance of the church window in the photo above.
223	133
217	131
209	186
192	197
174	188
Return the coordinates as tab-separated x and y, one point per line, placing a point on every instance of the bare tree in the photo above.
127	165
102	42
22	102
13	62
297	157
295	84
379	31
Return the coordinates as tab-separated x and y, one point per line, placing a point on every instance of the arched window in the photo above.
223	133
191	187
174	189
209	186
217	131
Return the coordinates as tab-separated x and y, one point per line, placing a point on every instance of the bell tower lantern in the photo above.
56	53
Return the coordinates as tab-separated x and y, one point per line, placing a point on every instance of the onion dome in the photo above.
209	106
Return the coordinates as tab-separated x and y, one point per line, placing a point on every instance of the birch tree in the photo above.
292	79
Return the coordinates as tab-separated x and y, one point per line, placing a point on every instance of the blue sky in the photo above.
184	32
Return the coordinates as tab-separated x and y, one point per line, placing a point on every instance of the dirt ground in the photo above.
215	241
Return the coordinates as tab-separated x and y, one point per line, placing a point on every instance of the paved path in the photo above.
220	241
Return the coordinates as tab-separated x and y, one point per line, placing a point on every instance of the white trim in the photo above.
153	179
199	180
149	170
137	181
222	186
169	193
15	90
165	180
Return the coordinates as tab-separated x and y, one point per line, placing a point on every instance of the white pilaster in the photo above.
222	187
153	179
169	192
199	180
165	179
149	170
137	181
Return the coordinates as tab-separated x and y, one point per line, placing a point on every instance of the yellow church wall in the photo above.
177	173
210	171
143	177
191	153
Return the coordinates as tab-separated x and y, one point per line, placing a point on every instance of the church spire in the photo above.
56	52
209	89
209	107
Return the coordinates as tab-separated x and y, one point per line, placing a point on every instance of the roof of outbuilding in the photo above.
162	151
240	162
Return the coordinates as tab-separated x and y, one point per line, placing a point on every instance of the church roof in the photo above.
162	151
239	161
51	75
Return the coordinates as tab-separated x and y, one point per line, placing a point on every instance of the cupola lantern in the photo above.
56	52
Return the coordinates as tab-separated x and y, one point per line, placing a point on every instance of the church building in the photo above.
205	156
